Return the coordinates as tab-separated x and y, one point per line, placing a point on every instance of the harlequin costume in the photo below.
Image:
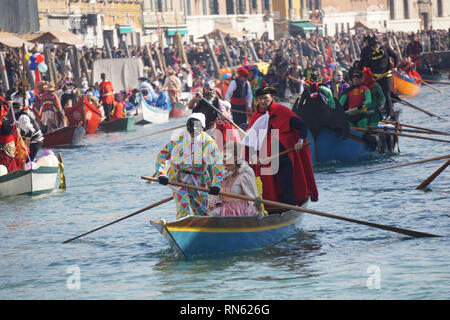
294	181
194	161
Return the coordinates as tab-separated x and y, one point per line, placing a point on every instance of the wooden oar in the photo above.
412	233
154	133
406	130
415	127
226	118
427	181
399	165
282	153
439	82
427	84
408	104
123	218
399	134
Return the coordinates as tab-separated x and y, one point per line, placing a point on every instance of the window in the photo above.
213	6
406	8
392	9
267	5
440	11
159	5
230	7
205	7
240	6
255	4
189	8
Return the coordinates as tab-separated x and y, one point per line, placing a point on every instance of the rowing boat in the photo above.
34	181
403	85
121	124
146	113
85	114
202	235
65	137
332	139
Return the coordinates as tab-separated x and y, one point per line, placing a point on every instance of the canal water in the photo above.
327	259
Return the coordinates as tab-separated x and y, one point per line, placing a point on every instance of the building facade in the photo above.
413	15
118	21
249	18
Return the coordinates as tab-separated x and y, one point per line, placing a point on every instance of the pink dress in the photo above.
243	183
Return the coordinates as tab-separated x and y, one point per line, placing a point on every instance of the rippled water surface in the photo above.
327	259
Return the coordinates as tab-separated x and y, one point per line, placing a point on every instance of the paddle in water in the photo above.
123	218
427	181
412	233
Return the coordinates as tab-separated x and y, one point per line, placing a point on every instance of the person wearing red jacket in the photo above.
7	140
292	181
107	95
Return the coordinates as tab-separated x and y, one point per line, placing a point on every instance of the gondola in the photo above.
195	236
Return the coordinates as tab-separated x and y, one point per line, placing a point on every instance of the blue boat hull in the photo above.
332	147
198	236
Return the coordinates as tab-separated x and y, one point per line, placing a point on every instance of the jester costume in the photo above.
194	161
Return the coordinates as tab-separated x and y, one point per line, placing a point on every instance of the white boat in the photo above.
34	181
146	113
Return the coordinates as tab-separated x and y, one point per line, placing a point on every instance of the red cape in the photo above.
303	181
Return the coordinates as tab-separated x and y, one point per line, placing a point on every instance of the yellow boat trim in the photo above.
221	230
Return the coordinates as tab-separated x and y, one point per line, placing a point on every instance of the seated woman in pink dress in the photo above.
238	178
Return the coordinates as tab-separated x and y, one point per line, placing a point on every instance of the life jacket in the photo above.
117	111
239	94
356	96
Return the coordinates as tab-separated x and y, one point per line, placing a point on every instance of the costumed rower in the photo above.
355	100
239	94
376	106
193	158
380	64
293	181
50	113
319	90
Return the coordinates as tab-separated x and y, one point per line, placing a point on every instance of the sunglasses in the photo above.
358	76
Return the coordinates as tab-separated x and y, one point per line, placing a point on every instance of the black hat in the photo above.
373	41
265	90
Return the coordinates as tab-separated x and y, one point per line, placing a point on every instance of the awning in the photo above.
10	40
171	32
59	37
306	25
125	29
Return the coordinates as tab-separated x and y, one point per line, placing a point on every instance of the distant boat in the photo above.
65	137
146	113
403	85
199	236
121	124
332	139
85	114
34	181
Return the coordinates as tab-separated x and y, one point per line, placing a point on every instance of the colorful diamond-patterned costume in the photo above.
195	161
